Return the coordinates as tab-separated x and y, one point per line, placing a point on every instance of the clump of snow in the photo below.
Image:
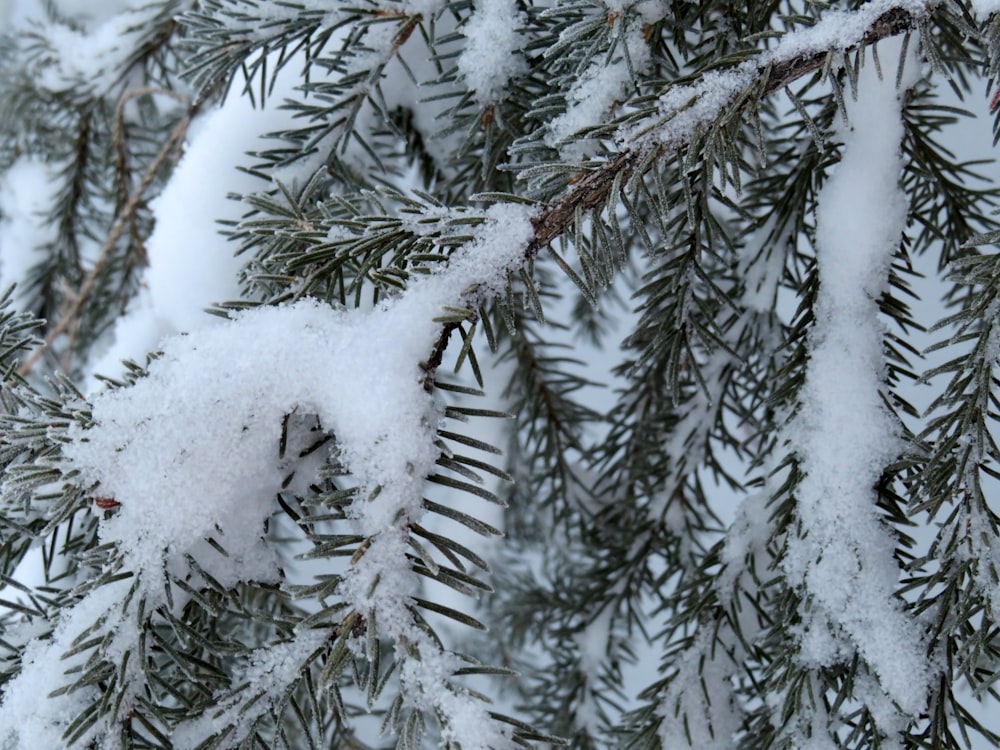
426	8
191	447
93	12
649	11
136	332
981	549
747	538
842	557
686	108
426	686
840	29
700	703
191	451
191	265
762	266
593	643
378	42
843	434
595	93
493	48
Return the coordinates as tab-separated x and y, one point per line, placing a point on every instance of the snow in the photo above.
190	452
841	557
686	108
268	674
598	90
189	210
24	191
747	538
983	8
844	436
188	234
593	644
650	11
16	12
840	29
762	266
92	57
27	722
698	708
94	11
218	395
492	54
134	334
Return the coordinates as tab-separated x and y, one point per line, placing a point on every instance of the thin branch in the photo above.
119	134
592	191
122	222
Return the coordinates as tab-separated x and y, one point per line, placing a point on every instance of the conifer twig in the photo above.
119	138
592	190
70	317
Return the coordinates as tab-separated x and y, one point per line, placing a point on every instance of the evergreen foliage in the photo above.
595	265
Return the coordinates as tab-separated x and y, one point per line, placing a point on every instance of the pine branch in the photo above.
150	504
136	199
601	186
594	190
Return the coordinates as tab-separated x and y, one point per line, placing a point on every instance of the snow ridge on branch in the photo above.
189	453
843	434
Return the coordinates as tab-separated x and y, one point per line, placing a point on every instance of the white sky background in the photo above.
195	241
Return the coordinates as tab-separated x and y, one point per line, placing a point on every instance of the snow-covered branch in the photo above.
274	504
685	111
843	434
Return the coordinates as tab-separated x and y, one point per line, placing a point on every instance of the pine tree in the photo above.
604	373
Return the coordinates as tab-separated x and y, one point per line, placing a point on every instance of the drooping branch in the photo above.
592	191
122	223
136	199
772	72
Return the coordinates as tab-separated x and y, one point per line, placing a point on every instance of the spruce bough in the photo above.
498	374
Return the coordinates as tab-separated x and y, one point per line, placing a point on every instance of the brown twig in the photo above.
119	134
591	192
122	221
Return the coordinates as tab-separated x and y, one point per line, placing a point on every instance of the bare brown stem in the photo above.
122	222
